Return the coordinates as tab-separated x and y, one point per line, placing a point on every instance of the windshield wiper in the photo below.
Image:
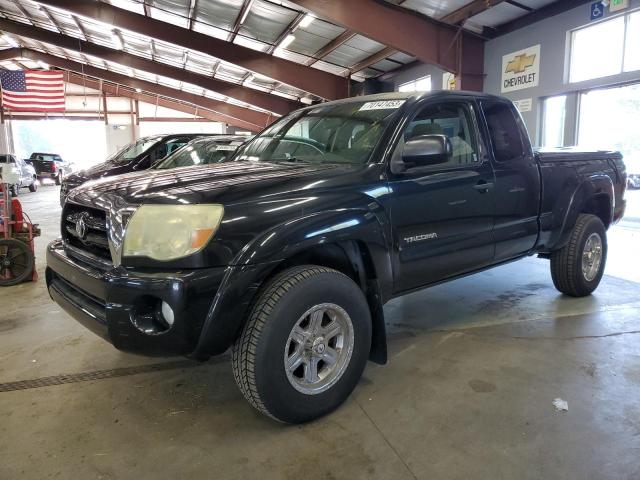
289	159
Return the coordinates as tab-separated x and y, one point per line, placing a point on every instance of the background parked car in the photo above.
50	166
140	155
203	151
633	172
25	171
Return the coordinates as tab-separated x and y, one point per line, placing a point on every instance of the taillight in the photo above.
53	167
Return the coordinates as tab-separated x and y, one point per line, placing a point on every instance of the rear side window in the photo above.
168	148
504	130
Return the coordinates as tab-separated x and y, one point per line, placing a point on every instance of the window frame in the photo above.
527	148
621	70
544	121
473	111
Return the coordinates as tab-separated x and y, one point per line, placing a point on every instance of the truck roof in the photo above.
410	95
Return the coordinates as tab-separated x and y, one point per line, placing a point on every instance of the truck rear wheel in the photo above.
305	344
577	268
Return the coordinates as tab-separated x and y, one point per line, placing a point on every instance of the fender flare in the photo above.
595	185
262	256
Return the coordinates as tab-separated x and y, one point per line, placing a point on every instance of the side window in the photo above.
452	120
504	129
164	149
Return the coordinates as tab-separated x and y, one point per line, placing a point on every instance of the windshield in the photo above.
134	150
199	152
339	133
47	157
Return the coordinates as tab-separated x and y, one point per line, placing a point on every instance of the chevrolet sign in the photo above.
521	69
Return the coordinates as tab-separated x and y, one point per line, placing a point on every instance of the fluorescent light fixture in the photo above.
287	41
306	20
10	41
44	66
117	39
246	12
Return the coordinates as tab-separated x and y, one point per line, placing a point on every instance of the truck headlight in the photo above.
167	232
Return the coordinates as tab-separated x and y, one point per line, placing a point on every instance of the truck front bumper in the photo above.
126	307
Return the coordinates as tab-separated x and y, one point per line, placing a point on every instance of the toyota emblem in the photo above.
81	227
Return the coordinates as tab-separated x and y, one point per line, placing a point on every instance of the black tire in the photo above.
258	355
16	262
15	190
33	187
566	263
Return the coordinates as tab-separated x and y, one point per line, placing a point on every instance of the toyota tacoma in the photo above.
287	251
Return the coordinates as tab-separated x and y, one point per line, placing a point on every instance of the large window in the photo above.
553	115
609	118
420	85
606	48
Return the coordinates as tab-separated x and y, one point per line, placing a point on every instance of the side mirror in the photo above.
426	150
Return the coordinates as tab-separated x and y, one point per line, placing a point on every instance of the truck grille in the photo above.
86	228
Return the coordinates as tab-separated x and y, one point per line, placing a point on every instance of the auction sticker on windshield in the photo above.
382	105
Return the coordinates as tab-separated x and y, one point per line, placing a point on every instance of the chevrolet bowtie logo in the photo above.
520	63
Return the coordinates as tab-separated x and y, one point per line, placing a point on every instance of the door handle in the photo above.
483	186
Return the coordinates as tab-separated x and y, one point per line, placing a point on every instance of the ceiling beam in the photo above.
317	82
415	34
341	39
249	119
251	96
113	90
370	60
462	14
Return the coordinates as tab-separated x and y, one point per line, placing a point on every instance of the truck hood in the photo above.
228	183
101	170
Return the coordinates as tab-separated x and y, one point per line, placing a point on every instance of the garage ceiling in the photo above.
299	42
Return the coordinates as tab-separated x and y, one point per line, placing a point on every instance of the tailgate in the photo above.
45	166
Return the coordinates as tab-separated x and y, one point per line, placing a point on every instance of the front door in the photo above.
442	215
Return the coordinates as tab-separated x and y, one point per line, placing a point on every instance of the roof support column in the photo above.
470	64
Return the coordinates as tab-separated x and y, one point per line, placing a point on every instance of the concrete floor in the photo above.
474	367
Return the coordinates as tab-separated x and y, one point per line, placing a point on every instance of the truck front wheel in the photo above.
577	268
305	344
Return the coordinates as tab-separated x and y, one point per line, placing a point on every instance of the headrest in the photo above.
426	129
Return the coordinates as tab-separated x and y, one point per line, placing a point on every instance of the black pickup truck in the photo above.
50	166
287	251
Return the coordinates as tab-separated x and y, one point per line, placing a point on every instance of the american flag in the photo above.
32	90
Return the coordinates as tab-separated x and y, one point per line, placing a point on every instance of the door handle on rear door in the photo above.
483	186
